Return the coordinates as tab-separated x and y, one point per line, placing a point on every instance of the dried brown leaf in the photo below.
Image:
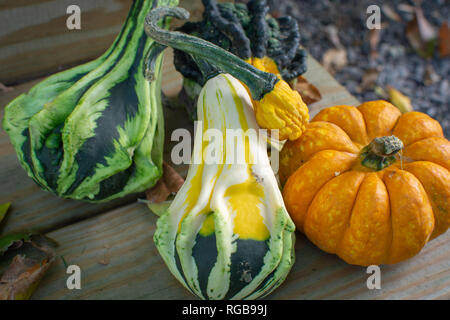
28	265
406	8
430	75
421	34
333	34
401	101
369	79
391	13
308	91
374	39
334	60
427	31
172	178
170	182
158	193
444	40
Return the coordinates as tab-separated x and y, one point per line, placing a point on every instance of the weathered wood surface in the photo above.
118	259
35	40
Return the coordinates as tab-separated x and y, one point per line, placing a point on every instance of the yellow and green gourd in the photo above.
227	234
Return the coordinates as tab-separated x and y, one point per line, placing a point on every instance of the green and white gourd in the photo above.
227	234
95	132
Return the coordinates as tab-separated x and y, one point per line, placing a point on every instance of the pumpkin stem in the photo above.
258	82
380	153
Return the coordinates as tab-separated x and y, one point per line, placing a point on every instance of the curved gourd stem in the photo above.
380	153
258	82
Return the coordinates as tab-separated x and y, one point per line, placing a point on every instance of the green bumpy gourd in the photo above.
95	132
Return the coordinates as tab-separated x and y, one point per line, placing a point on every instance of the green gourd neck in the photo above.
381	152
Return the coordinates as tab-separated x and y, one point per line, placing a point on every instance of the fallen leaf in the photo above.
333	34
172	178
334	60
391	13
427	31
308	91
28	265
170	182
430	75
401	101
406	8
4	209
444	40
421	34
158	193
369	79
374	38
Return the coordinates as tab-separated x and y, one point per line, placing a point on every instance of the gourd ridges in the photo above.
117	155
220	259
269	260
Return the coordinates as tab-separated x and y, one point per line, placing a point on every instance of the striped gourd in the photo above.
95	132
227	234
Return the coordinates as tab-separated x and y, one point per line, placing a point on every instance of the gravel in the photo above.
398	64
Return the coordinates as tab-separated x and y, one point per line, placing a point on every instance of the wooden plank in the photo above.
119	260
333	93
35	40
122	240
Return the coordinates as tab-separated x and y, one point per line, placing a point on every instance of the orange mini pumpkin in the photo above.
351	191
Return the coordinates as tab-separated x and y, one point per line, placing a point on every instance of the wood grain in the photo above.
35	41
119	260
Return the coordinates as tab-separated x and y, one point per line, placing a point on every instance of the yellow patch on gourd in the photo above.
246	200
208	227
